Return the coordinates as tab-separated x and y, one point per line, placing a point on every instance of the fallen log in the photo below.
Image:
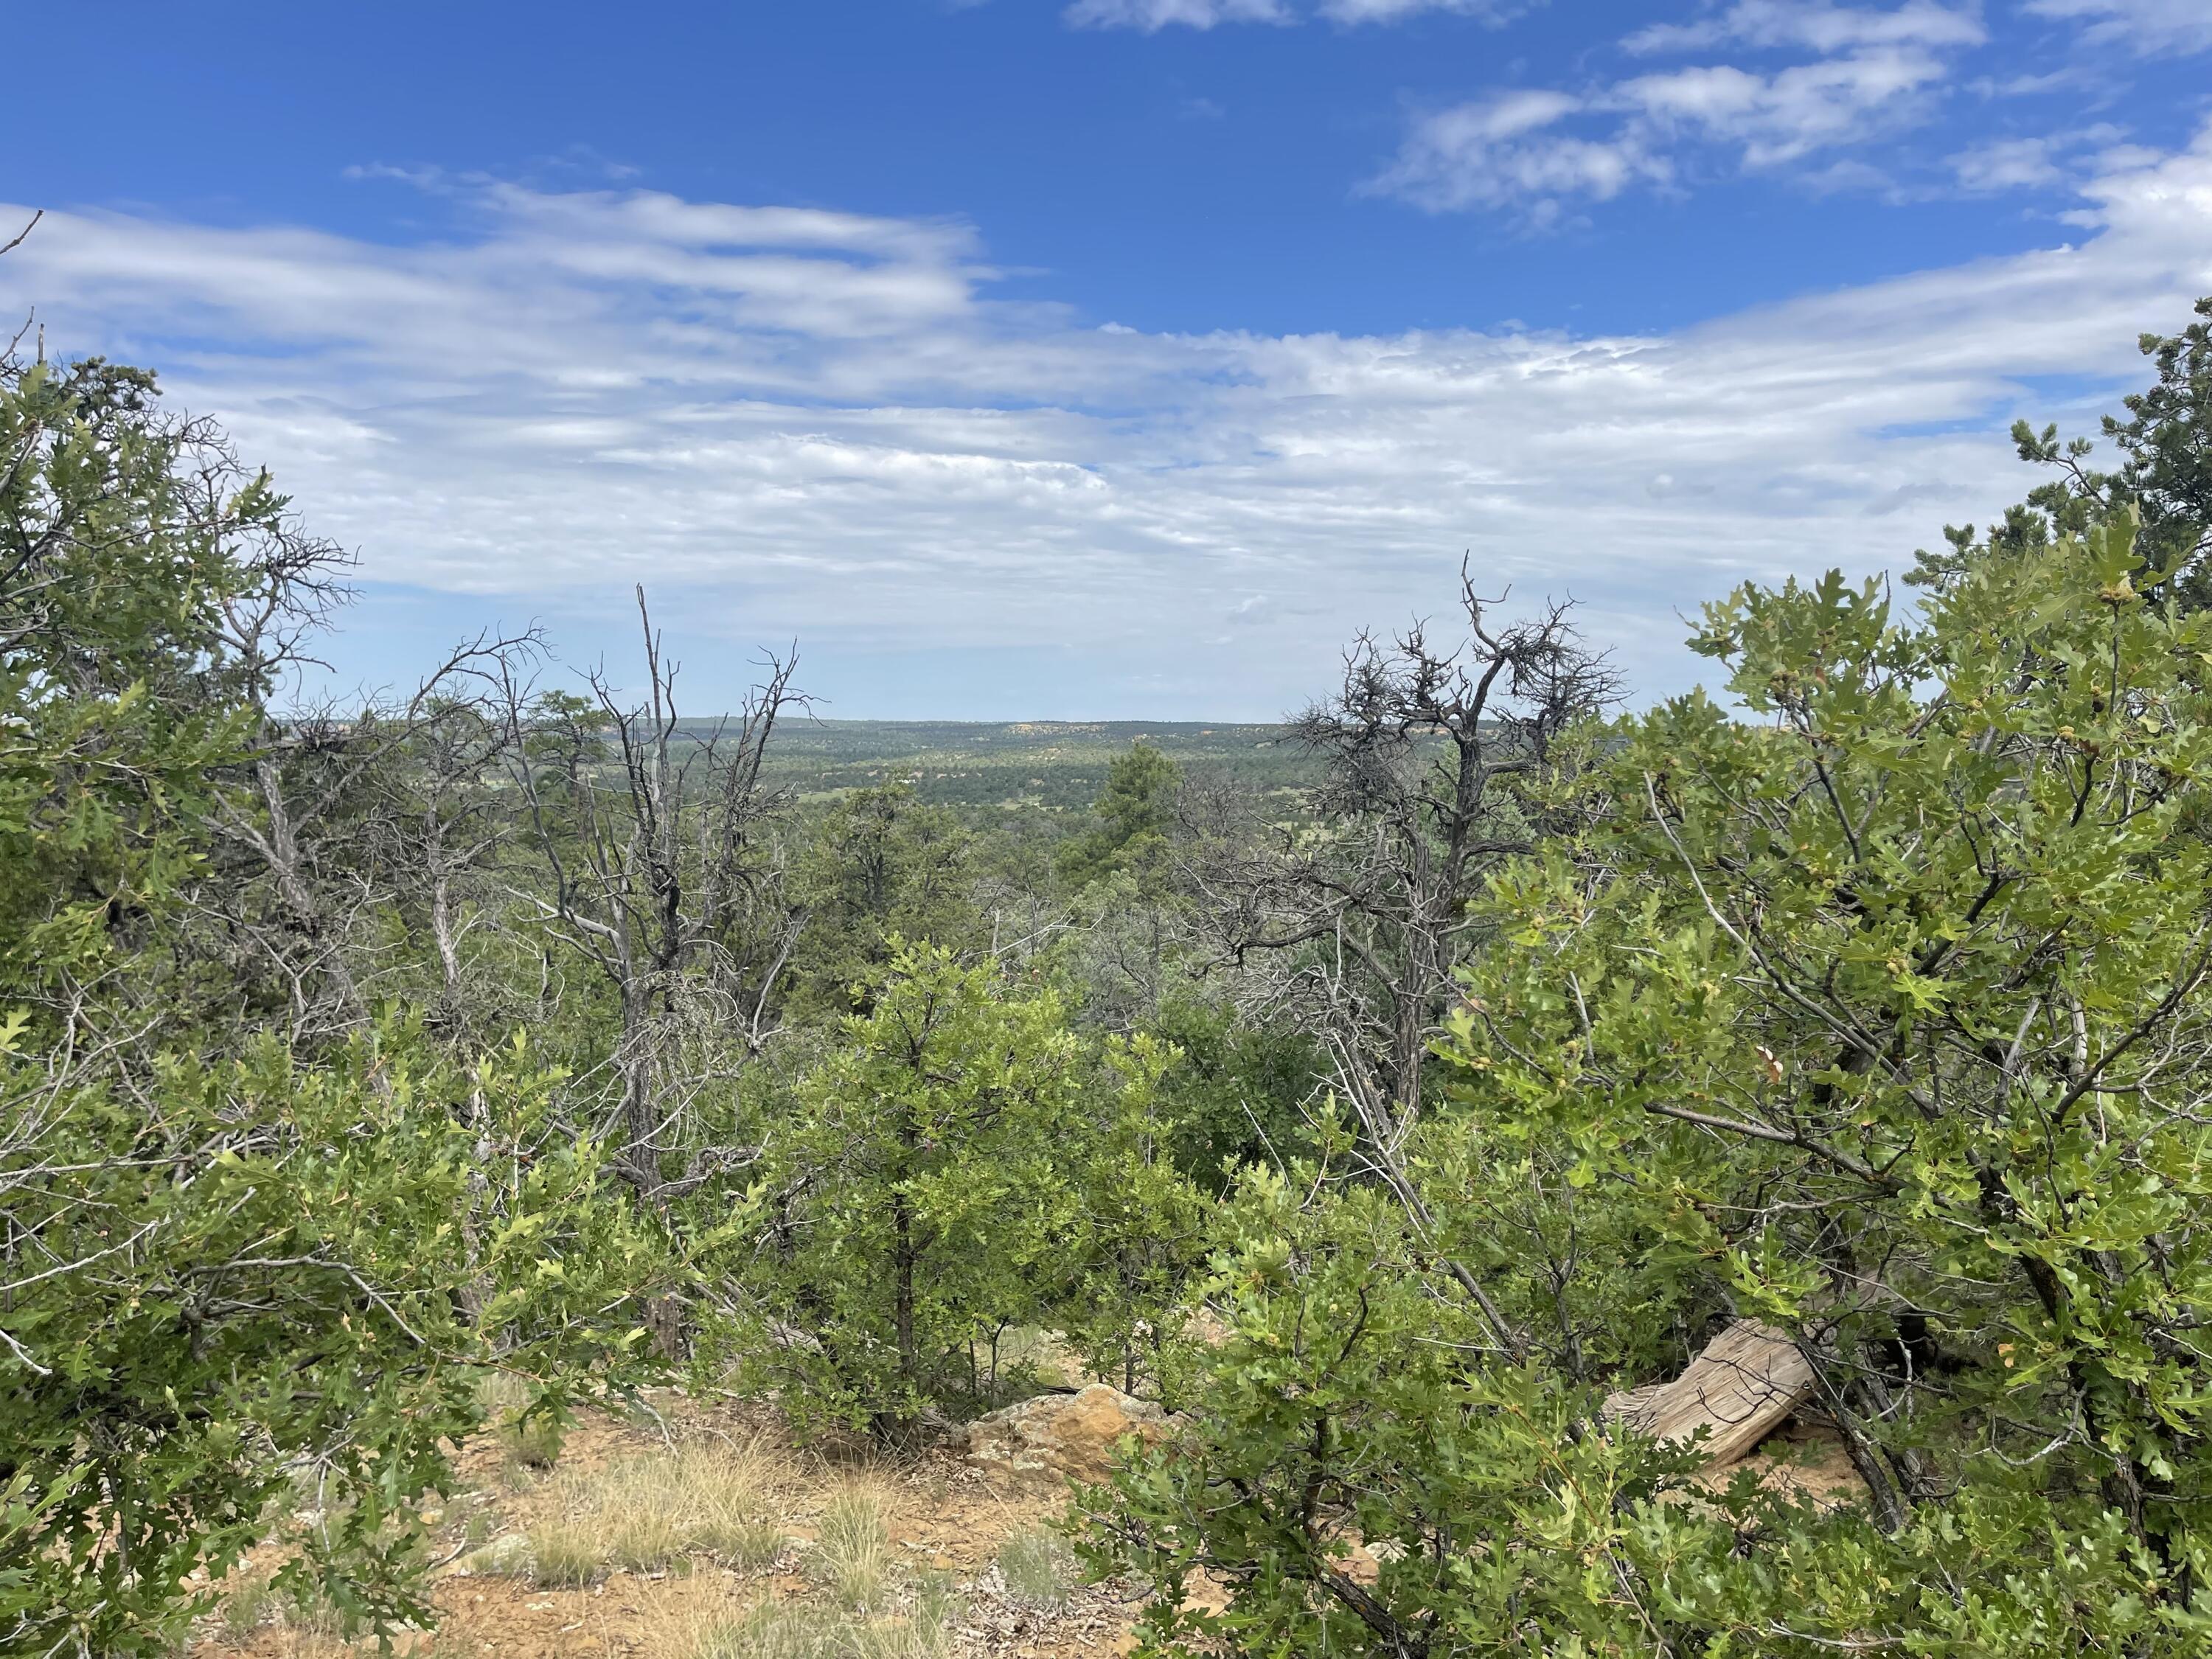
1741	1389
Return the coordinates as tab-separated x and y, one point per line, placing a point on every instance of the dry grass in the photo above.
657	1513
247	1604
870	1608
1038	1567
306	1624
621	1502
774	1629
852	1559
528	1443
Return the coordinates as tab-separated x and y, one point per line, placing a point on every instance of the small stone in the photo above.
508	1554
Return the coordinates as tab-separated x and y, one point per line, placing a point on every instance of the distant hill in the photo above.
1055	764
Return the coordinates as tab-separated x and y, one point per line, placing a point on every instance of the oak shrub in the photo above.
1879	1014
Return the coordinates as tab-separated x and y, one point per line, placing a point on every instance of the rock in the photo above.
1207	1328
506	1555
1065	1437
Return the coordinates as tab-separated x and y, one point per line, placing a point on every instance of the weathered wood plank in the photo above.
1742	1388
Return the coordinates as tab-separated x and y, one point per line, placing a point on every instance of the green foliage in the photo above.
118	698
962	1164
231	1268
2163	475
880	865
1875	1025
1883	1019
2167	440
258	1269
1238	1091
1135	815
1348	1422
919	1192
1137	1234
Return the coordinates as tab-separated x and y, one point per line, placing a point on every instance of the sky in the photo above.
1107	359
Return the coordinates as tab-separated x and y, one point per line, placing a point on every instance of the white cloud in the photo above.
1875	73
2033	162
1152	16
2006	164
1818	26
1506	149
1397	11
826	426
1595	144
1775	118
2146	26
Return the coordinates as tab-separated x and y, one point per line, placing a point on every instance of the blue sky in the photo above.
1112	358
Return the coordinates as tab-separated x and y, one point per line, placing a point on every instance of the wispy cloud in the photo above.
1395	11
1510	149
2035	163
2144	26
1817	26
1542	151
1832	96
793	422
1152	16
1773	118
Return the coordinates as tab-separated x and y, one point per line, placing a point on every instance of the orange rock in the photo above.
1065	1437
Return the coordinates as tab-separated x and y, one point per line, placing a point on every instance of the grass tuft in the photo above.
247	1606
851	1558
527	1441
798	1630
568	1553
658	1513
1038	1567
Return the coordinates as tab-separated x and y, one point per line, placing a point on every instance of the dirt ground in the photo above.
944	1517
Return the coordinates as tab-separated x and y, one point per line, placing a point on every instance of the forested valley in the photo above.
1376	1102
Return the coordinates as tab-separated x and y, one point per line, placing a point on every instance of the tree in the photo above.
662	880
1358	929
2164	475
226	1279
919	1194
880	865
2167	441
227	1258
1138	1229
338	822
1136	816
1919	981
1358	1480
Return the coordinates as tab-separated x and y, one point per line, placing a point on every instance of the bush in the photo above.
1872	1022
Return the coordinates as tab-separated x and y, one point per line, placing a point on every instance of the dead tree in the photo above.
1355	926
656	870
430	819
344	814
